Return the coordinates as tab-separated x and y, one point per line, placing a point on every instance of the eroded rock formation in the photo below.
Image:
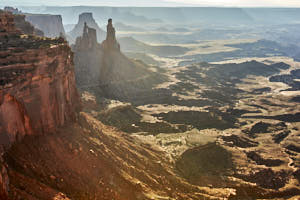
7	24
86	18
51	25
21	24
110	43
105	70
26	27
13	10
87	57
88	40
37	85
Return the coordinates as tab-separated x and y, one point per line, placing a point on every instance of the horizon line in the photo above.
124	6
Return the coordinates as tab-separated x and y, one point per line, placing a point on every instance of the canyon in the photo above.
87	121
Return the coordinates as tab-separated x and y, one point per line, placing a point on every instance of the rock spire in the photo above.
111	42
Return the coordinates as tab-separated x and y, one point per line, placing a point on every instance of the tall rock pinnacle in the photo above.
90	22
111	42
111	32
88	40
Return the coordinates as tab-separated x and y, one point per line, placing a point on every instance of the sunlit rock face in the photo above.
37	83
37	87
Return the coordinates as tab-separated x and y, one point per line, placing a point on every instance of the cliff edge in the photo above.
37	86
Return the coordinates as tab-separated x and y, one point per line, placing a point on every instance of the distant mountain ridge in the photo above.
140	15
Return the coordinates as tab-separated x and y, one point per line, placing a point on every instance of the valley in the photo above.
149	107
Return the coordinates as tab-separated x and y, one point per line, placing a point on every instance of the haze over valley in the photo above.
100	102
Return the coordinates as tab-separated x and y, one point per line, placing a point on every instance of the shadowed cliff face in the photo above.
37	86
51	25
90	21
87	57
110	43
121	77
106	71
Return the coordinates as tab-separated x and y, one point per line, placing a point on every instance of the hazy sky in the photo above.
227	3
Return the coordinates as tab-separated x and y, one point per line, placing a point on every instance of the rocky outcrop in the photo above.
263	127
37	91
105	70
263	161
88	40
37	86
267	178
26	27
122	78
22	24
90	21
239	141
110	43
51	25
7	24
13	10
279	137
87	58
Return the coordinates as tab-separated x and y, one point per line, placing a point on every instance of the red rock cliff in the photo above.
37	87
37	84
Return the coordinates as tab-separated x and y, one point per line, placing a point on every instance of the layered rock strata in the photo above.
37	86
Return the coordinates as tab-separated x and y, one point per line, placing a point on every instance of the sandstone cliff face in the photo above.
51	25
37	86
37	91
